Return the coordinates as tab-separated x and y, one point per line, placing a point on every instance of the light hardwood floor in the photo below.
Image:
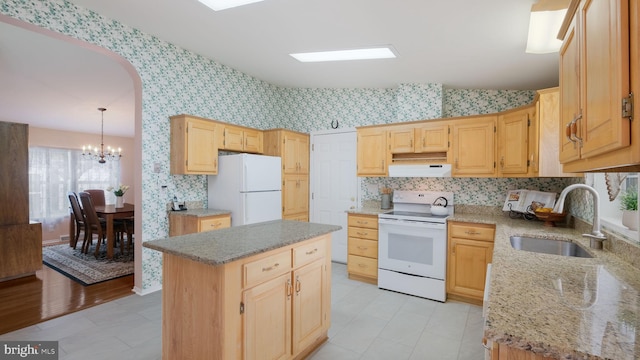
49	294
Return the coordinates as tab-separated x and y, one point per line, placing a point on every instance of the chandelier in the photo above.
101	155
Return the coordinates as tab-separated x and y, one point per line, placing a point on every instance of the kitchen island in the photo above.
260	290
558	307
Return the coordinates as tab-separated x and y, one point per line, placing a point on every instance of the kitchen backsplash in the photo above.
467	191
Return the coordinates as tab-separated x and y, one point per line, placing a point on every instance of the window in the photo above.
53	172
610	212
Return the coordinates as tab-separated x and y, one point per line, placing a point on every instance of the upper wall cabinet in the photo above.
432	138
401	139
595	72
544	126
474	146
240	138
418	138
515	145
194	145
373	157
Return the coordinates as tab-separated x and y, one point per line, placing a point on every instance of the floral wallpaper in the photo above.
176	81
460	102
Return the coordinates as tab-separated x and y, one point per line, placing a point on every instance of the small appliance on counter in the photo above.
385	203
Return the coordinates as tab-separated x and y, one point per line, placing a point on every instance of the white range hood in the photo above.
420	170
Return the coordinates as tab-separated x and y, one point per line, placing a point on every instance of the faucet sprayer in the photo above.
596	235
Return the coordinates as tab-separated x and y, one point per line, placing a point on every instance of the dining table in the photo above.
110	213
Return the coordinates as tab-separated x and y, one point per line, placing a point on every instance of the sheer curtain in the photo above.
53	172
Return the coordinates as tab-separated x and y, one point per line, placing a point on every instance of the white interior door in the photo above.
333	183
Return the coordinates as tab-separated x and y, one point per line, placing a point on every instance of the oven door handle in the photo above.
417	224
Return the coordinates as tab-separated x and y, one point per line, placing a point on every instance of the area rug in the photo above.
85	268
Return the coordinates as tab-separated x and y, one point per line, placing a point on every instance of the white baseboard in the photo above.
143	292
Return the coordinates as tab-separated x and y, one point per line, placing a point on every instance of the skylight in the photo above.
342	55
218	5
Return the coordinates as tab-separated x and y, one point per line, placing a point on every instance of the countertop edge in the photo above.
223	246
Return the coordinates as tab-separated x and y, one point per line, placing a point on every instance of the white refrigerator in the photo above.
249	186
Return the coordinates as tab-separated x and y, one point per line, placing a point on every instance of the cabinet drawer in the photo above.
362	266
361	247
309	252
370	222
214	223
270	267
363	233
473	231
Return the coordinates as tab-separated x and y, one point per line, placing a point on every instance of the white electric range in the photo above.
412	244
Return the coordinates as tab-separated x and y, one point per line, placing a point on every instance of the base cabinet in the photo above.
362	245
180	224
470	250
267	319
504	352
274	305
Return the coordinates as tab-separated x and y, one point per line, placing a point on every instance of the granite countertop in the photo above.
561	307
201	212
226	245
369	207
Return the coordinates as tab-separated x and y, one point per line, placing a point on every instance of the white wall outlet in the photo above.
157	167
372	188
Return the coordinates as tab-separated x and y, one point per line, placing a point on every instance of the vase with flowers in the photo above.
119	193
629	207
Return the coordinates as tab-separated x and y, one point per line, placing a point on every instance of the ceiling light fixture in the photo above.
218	5
544	22
343	55
102	156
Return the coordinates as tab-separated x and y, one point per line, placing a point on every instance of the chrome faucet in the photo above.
596	235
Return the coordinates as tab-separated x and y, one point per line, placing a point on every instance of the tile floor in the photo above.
367	323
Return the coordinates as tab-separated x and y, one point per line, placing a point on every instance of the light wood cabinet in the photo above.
180	224
240	138
308	304
474	147
273	305
432	138
293	148
470	250
194	146
545	141
515	145
267	319
418	138
504	352
362	245
372	155
295	196
401	140
594	83
295	158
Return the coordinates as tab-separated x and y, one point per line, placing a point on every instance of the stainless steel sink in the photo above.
548	246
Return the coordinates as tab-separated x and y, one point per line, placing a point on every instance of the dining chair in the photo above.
78	217
94	224
97	196
129	226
